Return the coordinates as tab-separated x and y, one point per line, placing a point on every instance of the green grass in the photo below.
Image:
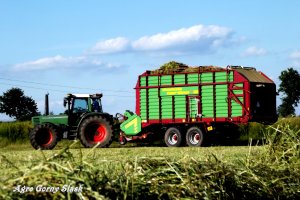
256	131
14	133
292	122
271	171
148	167
254	172
119	154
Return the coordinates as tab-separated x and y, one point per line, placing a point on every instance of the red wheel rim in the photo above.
175	138
49	138
99	134
95	133
44	137
194	137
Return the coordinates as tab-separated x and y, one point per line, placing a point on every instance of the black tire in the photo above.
194	137
94	130
173	137
43	137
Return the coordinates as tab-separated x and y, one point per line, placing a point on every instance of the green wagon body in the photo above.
203	97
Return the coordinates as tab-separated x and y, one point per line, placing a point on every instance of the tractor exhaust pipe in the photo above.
47	104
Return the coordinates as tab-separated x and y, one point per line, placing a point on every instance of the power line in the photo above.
55	90
38	88
65	86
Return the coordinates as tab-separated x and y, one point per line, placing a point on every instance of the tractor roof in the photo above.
85	95
80	95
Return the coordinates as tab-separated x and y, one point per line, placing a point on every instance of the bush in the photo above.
292	122
257	131
15	131
252	130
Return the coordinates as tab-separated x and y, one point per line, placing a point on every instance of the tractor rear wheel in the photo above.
173	137
94	130
194	137
43	137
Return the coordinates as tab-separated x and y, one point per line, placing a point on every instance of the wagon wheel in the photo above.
173	137
194	137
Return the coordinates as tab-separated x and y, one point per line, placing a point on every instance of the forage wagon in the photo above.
182	105
187	104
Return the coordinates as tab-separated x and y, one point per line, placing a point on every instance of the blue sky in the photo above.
103	46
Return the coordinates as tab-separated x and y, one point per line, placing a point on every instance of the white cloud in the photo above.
47	63
196	38
295	57
254	51
60	62
113	45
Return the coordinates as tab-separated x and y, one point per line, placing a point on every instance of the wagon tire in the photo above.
94	130
44	137
173	137
194	137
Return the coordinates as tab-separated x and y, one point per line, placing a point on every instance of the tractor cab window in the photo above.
80	105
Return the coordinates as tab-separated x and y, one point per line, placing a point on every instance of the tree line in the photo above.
17	105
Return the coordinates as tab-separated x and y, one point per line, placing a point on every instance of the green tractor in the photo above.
83	119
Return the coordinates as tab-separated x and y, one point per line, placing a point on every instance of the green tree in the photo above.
290	87
15	104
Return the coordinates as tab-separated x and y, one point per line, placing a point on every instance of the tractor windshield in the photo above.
80	105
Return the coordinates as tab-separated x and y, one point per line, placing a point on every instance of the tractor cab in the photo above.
79	104
83	103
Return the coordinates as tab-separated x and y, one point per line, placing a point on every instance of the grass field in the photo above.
25	157
119	164
270	171
150	173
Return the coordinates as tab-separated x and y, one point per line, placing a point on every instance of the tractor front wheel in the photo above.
43	137
95	130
